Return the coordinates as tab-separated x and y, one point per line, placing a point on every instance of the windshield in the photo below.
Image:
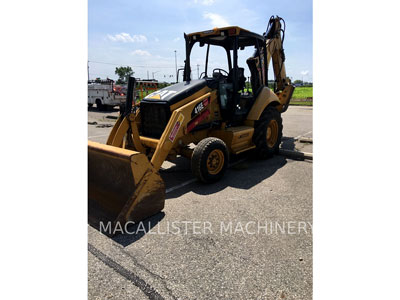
201	67
218	58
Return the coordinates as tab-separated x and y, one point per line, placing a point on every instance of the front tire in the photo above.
268	133
210	160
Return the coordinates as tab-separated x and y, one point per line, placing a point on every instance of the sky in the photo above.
145	34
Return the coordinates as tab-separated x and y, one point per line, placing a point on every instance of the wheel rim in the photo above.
215	161
272	133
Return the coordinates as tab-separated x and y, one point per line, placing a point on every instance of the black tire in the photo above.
270	117
90	104
99	106
201	157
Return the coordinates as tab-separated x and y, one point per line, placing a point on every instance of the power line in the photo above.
135	66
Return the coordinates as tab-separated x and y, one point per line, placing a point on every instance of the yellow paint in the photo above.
272	133
157	96
217	31
265	98
149	142
215	161
181	118
190	98
237	139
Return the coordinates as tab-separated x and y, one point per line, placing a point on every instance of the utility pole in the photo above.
198	75
176	67
154	73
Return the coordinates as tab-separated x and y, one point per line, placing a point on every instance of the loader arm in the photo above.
123	185
176	129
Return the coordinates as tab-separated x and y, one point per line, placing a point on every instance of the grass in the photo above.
145	93
303	103
303	92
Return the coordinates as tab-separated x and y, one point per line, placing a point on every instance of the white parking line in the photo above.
180	185
301	135
95	136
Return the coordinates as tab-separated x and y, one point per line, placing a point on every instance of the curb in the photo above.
296	154
305	140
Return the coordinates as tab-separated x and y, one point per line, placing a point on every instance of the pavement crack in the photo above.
154	275
148	290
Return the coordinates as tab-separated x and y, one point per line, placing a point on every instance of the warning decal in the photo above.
176	128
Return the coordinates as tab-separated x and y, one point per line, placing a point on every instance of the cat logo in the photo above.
159	95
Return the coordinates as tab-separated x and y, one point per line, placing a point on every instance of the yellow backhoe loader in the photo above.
215	113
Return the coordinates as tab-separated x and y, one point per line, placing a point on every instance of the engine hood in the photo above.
175	93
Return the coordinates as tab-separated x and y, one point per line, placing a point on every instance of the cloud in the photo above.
216	20
156	39
304	72
141	52
205	2
127	38
177	39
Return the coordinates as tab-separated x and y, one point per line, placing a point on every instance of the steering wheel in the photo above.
220	71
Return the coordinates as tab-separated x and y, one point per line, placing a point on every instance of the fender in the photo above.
264	98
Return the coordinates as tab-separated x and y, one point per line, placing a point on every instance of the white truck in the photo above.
105	94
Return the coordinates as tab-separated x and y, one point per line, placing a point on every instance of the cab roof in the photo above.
223	37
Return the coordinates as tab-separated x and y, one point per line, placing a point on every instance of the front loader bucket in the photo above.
123	186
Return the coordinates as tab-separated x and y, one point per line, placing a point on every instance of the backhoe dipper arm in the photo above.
275	36
274	44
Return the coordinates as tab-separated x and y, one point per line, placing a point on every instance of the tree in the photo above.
123	74
297	81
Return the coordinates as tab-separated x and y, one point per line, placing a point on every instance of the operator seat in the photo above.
241	78
228	101
255	71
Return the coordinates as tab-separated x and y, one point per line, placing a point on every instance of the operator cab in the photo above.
236	94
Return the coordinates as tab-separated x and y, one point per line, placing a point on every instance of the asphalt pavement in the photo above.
248	236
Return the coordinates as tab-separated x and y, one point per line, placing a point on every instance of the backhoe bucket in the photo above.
123	186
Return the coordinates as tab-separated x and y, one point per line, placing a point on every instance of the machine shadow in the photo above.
135	233
181	164
243	175
108	110
247	173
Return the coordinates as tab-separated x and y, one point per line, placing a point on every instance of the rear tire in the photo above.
210	160
99	106
268	133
